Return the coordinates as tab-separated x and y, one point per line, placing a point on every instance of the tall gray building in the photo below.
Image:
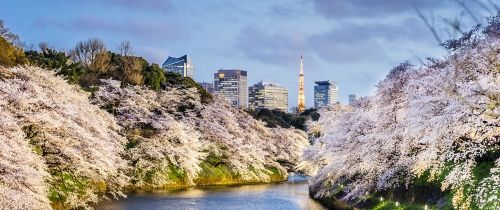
232	84
182	65
326	93
352	99
267	95
209	87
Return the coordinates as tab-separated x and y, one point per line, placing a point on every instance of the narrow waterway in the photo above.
292	194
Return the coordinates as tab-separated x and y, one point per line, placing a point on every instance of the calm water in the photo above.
287	195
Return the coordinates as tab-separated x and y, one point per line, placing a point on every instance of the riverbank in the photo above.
289	194
411	197
212	174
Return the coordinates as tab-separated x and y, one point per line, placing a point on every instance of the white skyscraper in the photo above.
267	95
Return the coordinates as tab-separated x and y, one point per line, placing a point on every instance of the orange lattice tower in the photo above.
302	99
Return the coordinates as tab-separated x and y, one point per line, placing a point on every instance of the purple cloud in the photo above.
345	50
285	11
346	43
151	5
370	8
278	47
143	30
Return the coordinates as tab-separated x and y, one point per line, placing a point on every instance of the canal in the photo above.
292	194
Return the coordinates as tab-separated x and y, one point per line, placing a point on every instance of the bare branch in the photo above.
420	60
90	53
43	46
483	5
125	48
468	10
9	36
494	5
454	24
428	24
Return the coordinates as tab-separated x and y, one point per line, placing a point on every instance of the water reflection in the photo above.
287	195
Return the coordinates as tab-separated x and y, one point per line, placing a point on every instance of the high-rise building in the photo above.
183	66
352	99
232	84
209	87
267	95
325	93
301	106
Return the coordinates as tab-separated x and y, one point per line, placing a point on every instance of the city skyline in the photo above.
354	47
261	95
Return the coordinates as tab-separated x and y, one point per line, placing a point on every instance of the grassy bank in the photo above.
219	174
424	192
421	194
383	203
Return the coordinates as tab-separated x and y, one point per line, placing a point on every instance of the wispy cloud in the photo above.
140	29
155	55
346	43
371	8
278	47
285	11
162	6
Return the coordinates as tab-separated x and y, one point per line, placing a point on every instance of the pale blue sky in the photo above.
354	42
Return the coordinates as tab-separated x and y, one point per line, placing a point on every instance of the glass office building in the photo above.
182	65
326	93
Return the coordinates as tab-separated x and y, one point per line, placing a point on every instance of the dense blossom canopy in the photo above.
439	120
50	127
59	148
183	132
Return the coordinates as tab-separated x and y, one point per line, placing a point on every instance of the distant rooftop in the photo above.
327	82
231	70
241	72
173	60
267	83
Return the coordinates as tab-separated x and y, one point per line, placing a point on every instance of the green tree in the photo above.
11	52
9	36
130	70
10	55
154	76
57	60
277	118
94	58
177	80
126	67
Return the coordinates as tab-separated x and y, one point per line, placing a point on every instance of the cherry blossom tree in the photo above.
159	138
75	142
22	172
249	146
183	132
439	120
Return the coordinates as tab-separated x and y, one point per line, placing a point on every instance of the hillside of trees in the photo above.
80	127
277	118
429	138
